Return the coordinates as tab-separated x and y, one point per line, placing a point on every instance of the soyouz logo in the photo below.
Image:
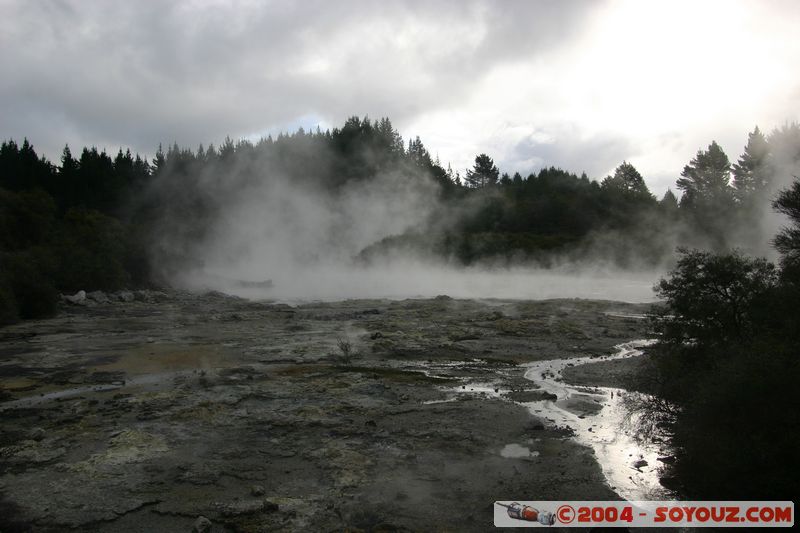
644	513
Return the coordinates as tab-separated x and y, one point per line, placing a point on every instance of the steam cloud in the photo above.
304	238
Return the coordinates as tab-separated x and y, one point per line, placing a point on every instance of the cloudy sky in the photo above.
578	84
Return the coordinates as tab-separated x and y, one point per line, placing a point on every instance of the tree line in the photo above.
100	221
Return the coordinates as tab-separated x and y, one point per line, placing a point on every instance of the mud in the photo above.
145	415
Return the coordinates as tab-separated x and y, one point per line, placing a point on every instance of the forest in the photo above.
97	221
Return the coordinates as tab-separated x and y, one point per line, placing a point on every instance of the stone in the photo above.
98	296
77	298
126	296
202	525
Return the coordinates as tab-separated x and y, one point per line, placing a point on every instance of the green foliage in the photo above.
788	240
27	276
709	298
27	218
91	250
728	363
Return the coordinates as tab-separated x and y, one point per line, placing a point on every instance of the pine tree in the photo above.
787	241
706	179
629	181
483	174
751	173
708	197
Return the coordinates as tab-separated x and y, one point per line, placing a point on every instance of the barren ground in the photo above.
144	416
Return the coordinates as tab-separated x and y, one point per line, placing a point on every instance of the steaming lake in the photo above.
419	281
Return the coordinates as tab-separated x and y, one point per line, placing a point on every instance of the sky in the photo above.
582	85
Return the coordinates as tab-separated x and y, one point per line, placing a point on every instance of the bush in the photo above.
729	364
9	313
91	251
28	278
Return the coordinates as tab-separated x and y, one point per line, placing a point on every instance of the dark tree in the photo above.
707	195
669	201
751	173
418	154
628	181
788	240
483	173
709	297
706	179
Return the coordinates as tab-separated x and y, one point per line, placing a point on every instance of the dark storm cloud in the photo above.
139	73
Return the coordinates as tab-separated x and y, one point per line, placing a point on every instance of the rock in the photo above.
246	507
269	507
149	296
38	434
525	396
125	296
77	298
640	463
257	490
202	525
98	296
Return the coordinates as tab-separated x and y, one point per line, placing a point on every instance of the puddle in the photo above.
516	451
142	365
163	378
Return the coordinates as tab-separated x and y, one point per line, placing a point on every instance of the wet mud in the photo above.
368	415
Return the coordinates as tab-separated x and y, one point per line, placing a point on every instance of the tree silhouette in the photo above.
751	173
707	194
628	181
788	240
483	173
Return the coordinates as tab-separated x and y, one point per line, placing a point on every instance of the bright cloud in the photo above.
579	84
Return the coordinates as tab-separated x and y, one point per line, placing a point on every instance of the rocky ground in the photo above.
166	411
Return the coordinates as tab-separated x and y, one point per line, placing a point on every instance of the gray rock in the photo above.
244	507
525	396
98	296
202	525
257	490
146	295
125	296
38	434
640	463
77	298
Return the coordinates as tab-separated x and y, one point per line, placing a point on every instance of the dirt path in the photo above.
146	415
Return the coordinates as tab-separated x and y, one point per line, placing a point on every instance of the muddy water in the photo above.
598	417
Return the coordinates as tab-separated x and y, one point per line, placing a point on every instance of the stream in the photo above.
598	417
